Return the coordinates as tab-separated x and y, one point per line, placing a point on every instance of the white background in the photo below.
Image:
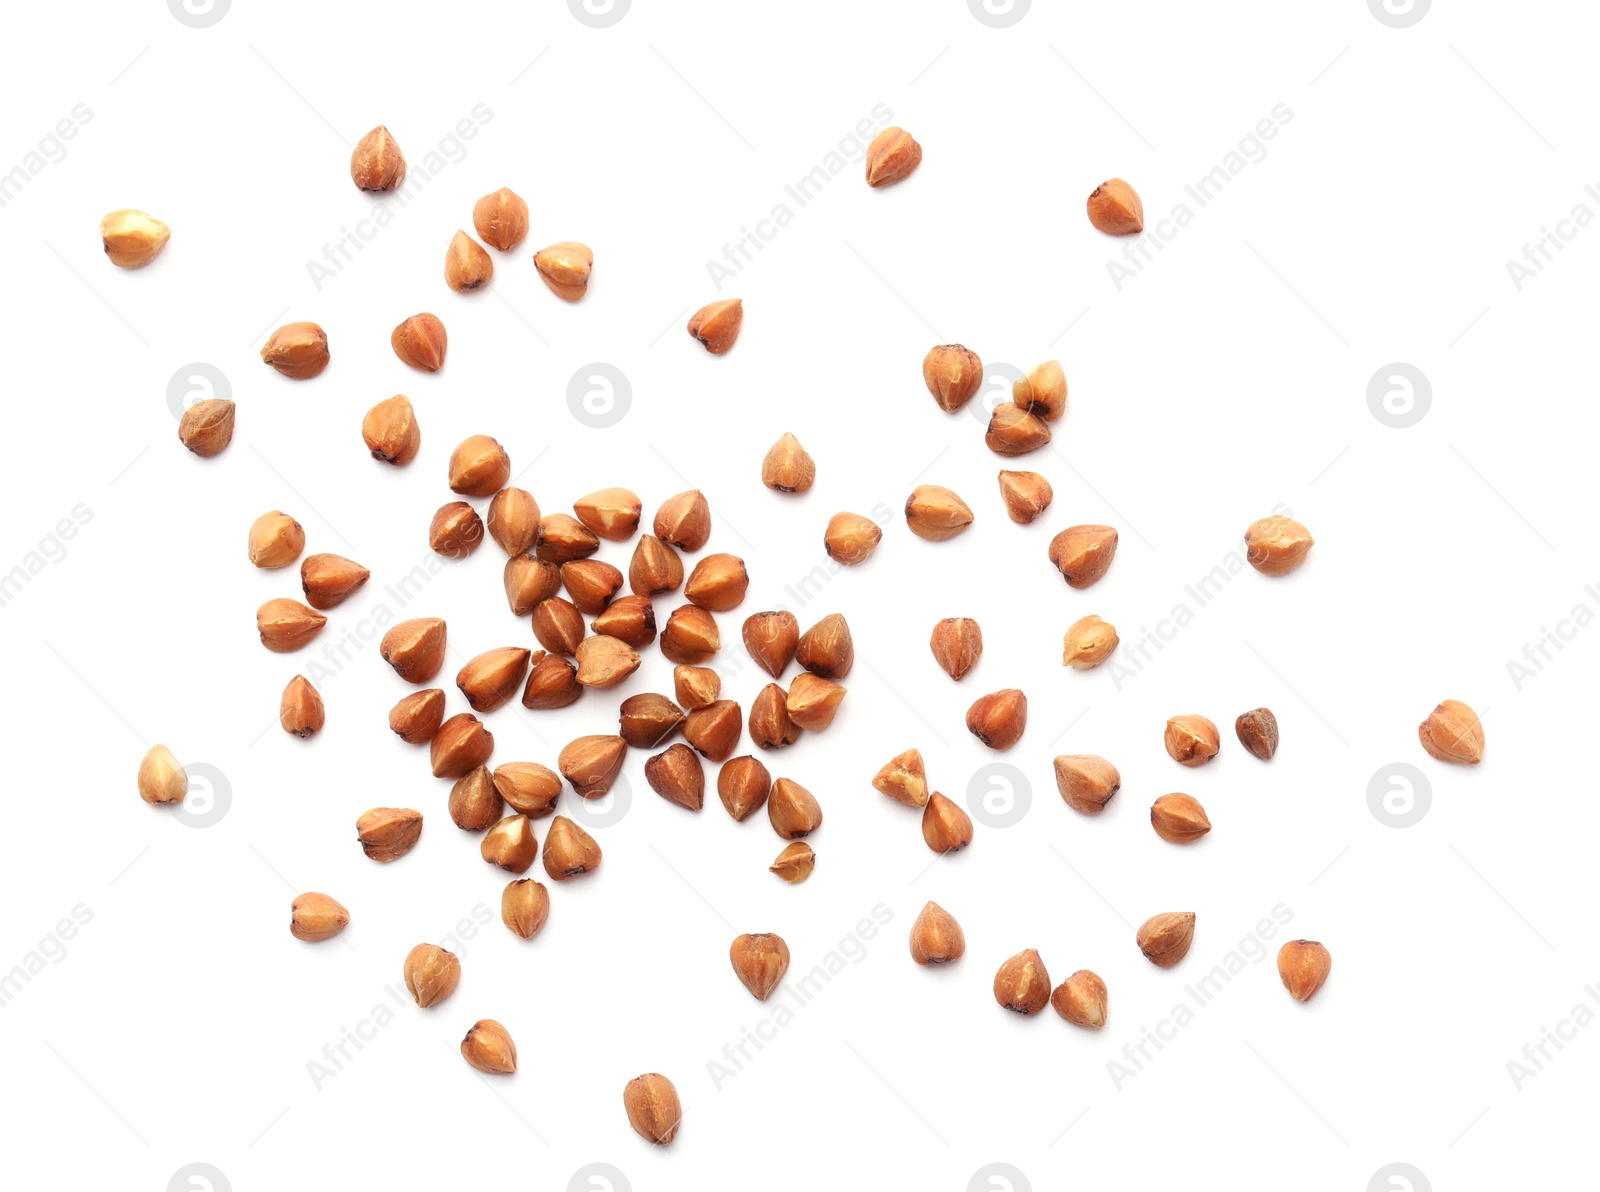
1228	377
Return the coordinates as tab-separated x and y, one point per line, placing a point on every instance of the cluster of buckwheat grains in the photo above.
590	635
